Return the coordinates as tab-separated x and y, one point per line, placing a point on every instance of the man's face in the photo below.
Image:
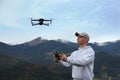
81	40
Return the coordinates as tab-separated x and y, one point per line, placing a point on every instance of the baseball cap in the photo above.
83	34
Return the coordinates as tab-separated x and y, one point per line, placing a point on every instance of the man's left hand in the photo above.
63	57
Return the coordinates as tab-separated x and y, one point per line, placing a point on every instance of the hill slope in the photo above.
16	69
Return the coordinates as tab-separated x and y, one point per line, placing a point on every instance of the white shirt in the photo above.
82	61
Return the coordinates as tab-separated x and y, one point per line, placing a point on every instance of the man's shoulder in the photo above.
74	51
90	49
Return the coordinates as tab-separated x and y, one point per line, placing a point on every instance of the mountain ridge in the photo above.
38	48
108	47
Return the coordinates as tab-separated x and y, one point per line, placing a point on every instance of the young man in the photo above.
81	60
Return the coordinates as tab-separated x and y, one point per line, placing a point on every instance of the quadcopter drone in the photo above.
41	21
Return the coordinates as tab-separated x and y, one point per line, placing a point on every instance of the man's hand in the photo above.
63	57
55	59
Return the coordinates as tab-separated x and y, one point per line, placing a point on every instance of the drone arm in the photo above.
47	20
46	24
34	20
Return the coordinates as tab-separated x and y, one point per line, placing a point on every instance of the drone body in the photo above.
41	21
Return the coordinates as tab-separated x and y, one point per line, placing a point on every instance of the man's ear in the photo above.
87	40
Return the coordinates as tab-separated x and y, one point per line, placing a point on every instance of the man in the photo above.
81	60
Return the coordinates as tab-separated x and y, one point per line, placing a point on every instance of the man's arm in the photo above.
66	64
86	59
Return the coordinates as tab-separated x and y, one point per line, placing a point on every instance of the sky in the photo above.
99	18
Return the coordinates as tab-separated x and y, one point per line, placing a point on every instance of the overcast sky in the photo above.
99	18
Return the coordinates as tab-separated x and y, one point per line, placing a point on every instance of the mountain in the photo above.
105	63
111	47
40	51
12	68
37	49
36	41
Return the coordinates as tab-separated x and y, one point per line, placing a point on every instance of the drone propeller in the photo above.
31	21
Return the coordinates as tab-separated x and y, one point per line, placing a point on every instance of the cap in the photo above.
83	34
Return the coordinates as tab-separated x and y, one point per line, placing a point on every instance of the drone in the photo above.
41	21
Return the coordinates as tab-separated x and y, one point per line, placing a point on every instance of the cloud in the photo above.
105	38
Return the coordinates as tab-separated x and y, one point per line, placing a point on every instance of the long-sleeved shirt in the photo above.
82	62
